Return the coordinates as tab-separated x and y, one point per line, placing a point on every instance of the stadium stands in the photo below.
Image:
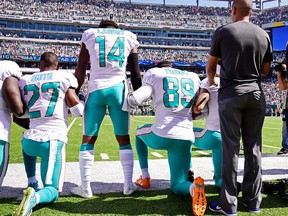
181	34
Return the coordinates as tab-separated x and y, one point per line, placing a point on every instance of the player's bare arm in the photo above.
201	101
76	106
12	96
211	69
265	68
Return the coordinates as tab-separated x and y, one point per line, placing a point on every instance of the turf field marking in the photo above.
156	154
271	146
271	128
202	152
71	124
139	121
104	156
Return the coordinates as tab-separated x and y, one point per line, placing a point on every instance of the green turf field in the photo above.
161	202
107	143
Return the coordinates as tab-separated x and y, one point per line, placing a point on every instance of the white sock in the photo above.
191	189
145	173
86	160
127	161
37	197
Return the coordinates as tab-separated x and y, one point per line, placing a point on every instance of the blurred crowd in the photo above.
72	50
124	12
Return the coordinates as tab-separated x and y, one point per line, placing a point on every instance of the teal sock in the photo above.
128	146
48	194
86	147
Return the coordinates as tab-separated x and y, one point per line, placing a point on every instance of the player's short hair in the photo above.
108	23
48	59
164	64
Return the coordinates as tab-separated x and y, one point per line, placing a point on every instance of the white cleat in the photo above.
78	191
130	190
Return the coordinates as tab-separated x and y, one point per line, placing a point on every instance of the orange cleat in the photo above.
144	183
199	202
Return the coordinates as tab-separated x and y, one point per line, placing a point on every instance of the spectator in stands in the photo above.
246	54
107	88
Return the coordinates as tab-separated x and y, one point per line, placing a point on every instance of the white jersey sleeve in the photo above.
9	68
44	95
173	95
212	120
108	50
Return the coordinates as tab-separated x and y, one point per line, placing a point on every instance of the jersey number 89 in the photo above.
173	87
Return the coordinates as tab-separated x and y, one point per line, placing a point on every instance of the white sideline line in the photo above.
139	121
272	128
202	152
156	154
272	146
104	156
71	124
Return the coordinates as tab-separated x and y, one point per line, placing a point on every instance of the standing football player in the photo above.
108	49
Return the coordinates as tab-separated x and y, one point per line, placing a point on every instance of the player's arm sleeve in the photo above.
139	96
83	61
134	69
133	62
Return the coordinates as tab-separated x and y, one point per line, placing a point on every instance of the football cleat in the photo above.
27	203
199	202
144	183
78	191
130	190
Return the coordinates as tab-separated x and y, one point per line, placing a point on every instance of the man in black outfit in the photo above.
246	53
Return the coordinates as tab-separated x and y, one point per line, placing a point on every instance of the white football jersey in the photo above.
44	95
173	93
7	69
212	120
108	50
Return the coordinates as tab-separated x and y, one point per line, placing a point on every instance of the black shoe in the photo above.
282	151
190	176
285	198
281	188
271	187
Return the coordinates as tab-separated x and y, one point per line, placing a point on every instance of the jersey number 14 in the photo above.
115	54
